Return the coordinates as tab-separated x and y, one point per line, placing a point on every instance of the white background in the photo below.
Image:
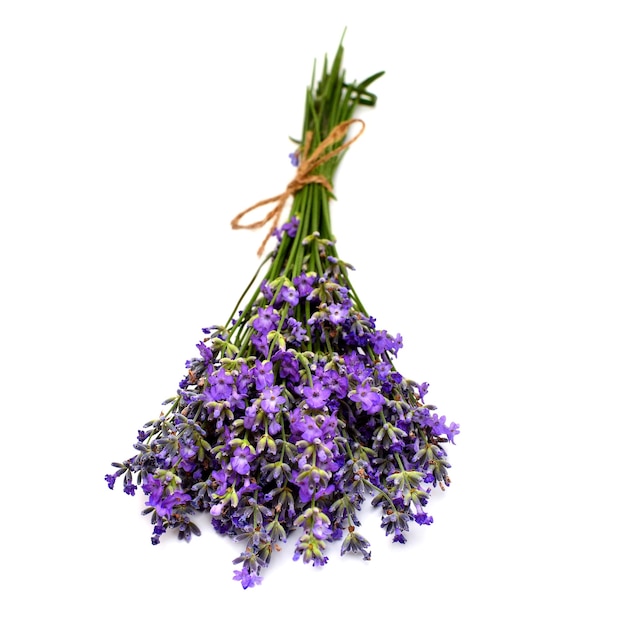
483	208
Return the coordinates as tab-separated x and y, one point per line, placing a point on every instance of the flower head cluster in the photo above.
291	428
291	416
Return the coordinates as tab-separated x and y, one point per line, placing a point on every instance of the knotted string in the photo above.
304	176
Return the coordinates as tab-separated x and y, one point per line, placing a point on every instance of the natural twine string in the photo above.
303	177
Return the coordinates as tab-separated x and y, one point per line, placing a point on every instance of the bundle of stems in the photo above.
293	413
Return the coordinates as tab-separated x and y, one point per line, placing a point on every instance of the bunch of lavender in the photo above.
293	414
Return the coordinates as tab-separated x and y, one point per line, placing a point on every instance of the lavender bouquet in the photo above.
293	414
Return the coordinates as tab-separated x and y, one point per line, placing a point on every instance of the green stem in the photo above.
329	103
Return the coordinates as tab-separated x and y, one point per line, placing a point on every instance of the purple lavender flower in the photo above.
291	227
246	578
207	355
337	313
289	367
250	418
217	509
336	383
266	290
142	435
380	342
221	479
221	384
370	401
241	460
152	485
451	430
304	284
422	390
297	330
289	294
320	529
271	399
166	506
423	519
309	430
188	452
316	396
263	374
243	380
266	320
259	341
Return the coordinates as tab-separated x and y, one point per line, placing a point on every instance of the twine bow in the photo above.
304	176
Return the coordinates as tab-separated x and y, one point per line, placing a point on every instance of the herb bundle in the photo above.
293	414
